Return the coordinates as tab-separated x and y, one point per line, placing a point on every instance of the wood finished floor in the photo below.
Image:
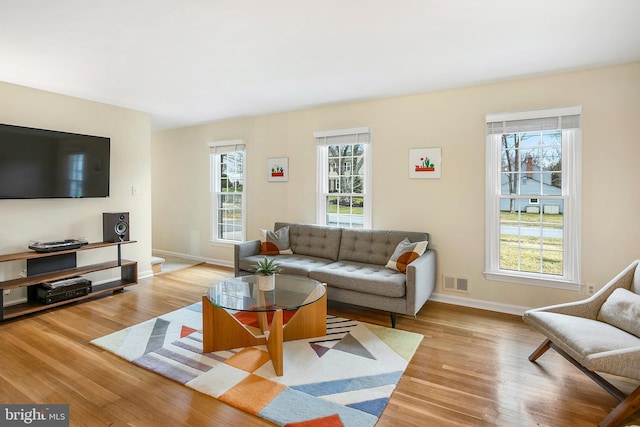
471	369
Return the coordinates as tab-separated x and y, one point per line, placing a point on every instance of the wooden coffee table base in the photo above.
222	331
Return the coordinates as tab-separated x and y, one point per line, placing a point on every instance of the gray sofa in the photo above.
352	264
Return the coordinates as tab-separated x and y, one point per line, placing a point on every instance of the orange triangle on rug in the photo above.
186	331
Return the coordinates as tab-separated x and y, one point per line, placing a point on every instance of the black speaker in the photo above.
115	226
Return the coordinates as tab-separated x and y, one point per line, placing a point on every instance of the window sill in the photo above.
532	280
223	243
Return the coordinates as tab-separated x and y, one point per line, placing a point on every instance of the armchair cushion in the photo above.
622	310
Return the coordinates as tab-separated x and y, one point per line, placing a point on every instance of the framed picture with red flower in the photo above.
425	163
278	169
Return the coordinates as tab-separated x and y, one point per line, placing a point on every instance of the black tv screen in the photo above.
42	164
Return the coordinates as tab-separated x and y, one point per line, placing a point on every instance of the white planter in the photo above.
267	283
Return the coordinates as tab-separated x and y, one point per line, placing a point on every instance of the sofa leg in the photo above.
393	320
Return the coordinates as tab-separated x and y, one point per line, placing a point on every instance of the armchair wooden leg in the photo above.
546	345
628	403
623	411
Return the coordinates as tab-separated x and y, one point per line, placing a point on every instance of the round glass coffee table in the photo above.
221	330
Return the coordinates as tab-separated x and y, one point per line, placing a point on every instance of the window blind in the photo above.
555	119
223	147
343	136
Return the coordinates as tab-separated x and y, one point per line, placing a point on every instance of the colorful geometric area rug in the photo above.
349	374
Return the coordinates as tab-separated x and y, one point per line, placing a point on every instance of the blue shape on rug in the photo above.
373	407
292	406
350	384
197	307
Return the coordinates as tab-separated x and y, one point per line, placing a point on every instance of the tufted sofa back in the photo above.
367	246
313	240
373	246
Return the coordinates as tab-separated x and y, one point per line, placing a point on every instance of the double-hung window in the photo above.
344	178
533	197
227	191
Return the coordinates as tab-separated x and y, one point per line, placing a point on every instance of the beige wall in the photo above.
451	208
52	219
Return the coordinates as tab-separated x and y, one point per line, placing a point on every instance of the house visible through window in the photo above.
533	197
227	189
344	178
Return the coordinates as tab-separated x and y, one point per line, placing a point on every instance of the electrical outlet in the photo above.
591	289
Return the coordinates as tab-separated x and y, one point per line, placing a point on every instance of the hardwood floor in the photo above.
471	369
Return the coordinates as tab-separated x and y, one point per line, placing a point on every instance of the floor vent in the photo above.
458	284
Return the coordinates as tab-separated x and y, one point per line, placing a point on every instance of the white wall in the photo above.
451	208
53	219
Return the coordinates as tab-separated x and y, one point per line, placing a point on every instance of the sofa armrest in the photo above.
589	308
243	250
421	281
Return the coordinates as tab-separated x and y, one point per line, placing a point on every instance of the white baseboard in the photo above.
145	274
219	262
481	304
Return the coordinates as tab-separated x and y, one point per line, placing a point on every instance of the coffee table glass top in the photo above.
242	293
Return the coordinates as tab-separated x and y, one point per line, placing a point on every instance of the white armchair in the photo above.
599	334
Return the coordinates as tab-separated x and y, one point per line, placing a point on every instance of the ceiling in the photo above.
198	61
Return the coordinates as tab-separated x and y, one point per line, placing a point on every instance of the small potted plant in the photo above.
266	271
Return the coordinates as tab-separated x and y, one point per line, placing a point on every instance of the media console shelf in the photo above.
49	266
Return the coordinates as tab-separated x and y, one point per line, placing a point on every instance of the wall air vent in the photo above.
457	284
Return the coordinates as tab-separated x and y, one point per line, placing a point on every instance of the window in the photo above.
227	191
533	197
344	178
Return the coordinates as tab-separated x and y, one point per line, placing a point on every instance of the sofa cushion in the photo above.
275	242
362	277
622	310
315	240
294	264
406	252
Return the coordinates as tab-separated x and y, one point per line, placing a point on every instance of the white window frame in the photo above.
215	150
324	139
571	197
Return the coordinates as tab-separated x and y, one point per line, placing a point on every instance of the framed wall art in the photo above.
278	169
425	163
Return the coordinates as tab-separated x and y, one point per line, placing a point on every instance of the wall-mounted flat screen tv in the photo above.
43	164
